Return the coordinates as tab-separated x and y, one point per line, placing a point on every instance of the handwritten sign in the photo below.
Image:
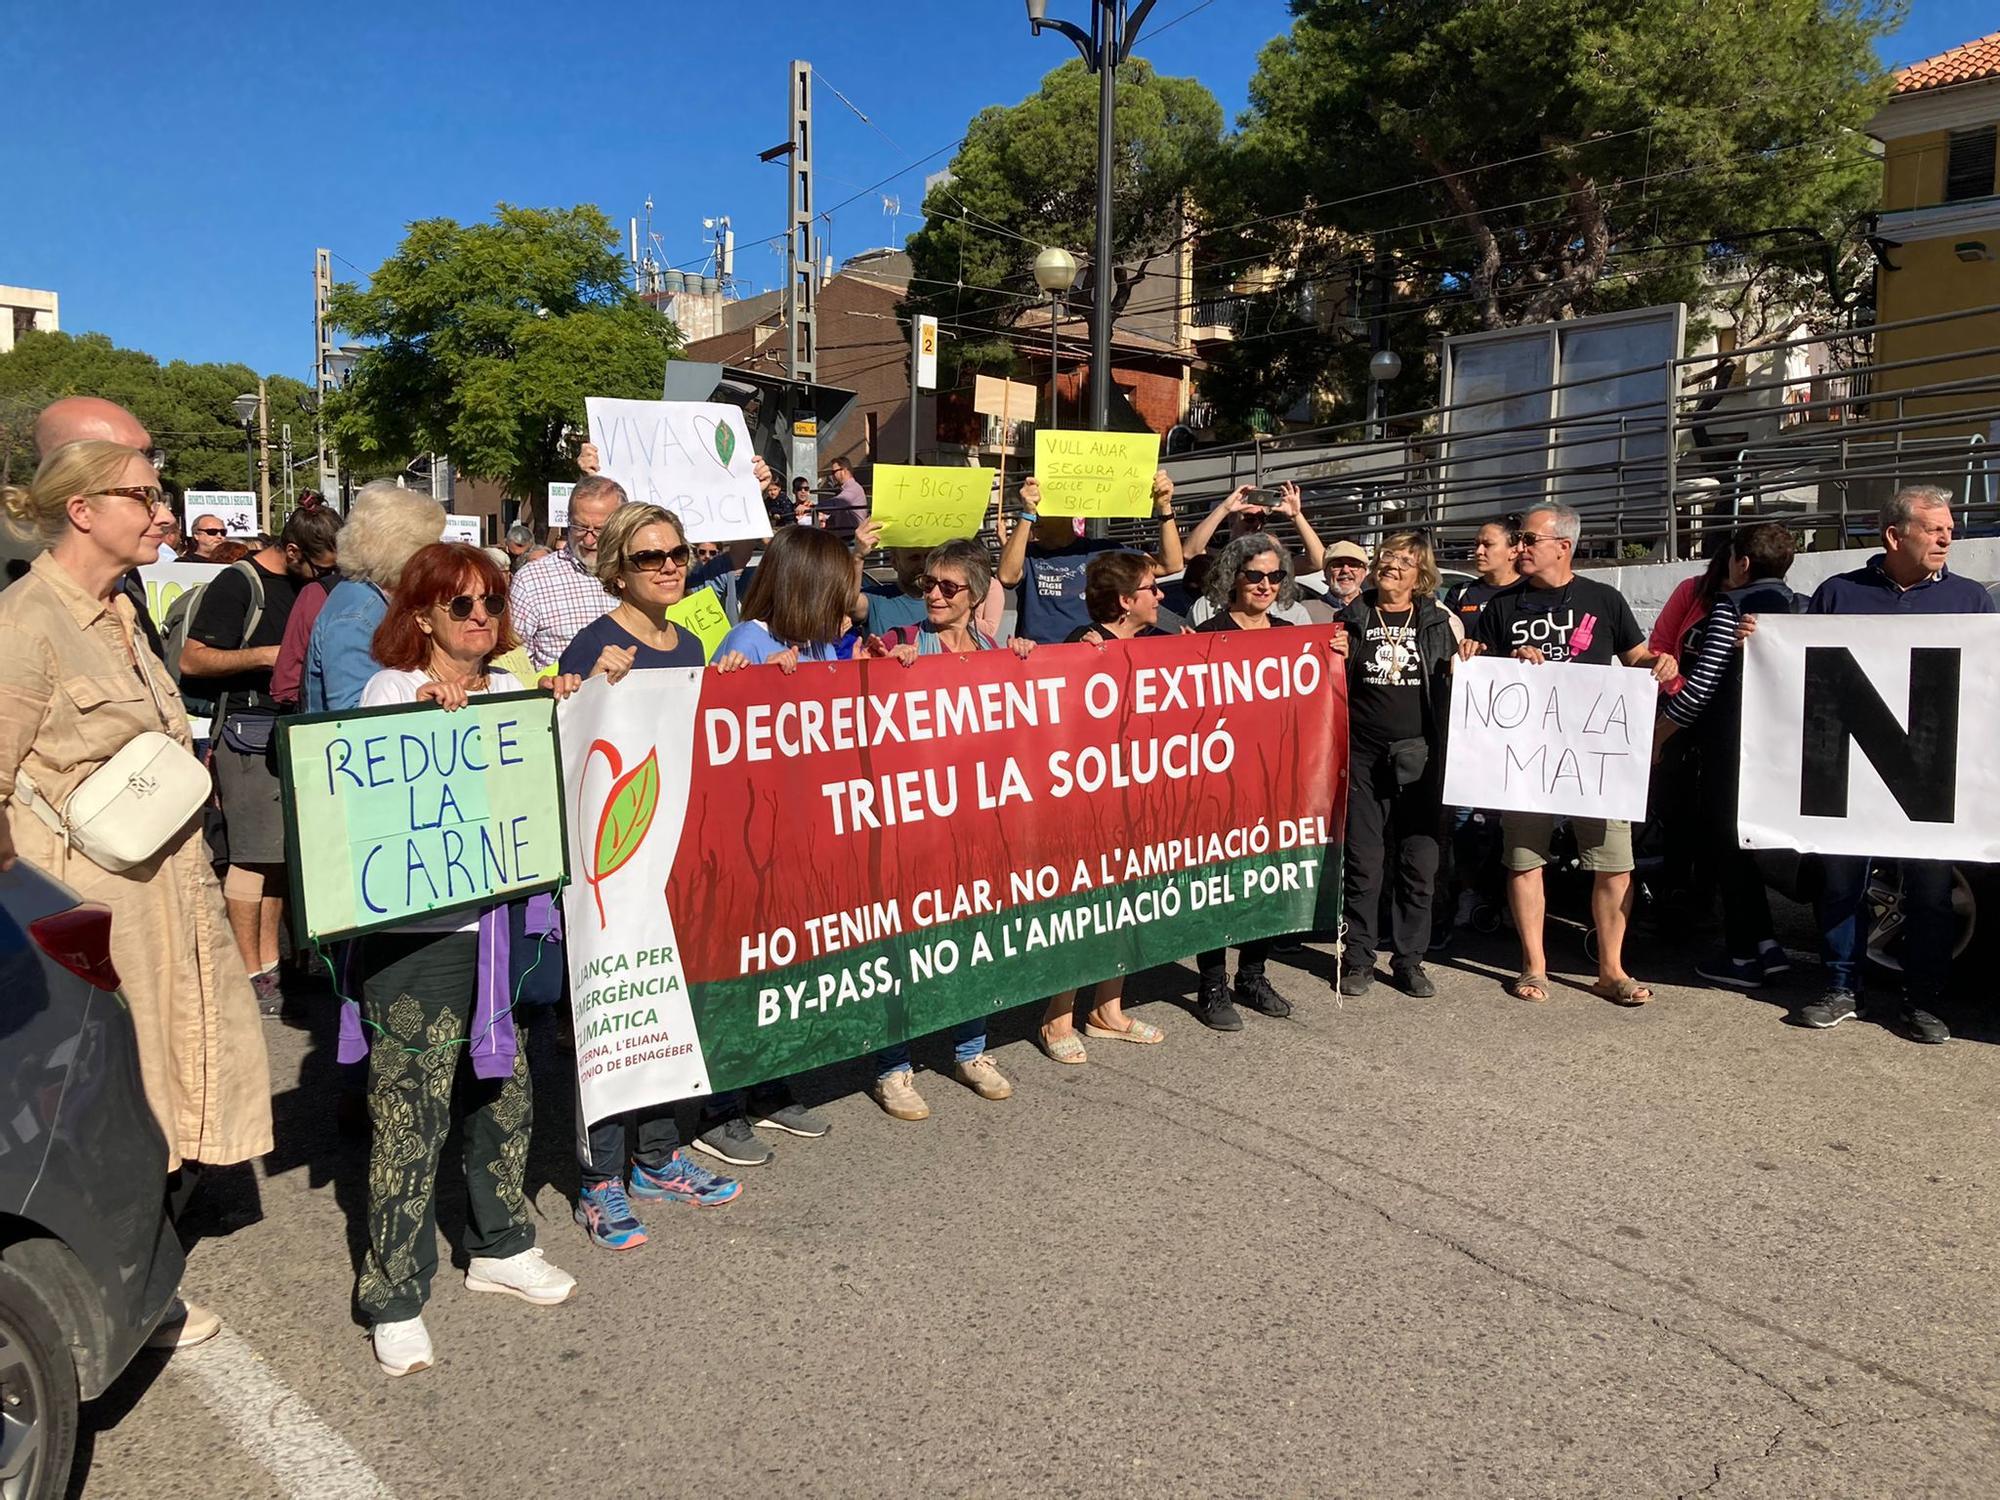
414	812
1096	473
235	509
1558	738
693	457
919	507
702	613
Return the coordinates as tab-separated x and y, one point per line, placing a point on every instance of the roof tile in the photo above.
1975	60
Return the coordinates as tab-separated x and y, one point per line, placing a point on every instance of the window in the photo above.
1969	164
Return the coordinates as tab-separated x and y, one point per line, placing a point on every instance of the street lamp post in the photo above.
1113	29
1384	365
1055	273
246	415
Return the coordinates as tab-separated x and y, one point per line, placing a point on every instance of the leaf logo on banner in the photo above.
721	438
627	815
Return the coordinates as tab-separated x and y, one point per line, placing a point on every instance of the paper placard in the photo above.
693	457
559	504
920	507
1558	737
702	613
1096	474
465	529
236	509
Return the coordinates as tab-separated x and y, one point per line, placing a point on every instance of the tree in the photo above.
188	408
1026	177
482	341
1514	161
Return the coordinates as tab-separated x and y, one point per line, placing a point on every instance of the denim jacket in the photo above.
338	658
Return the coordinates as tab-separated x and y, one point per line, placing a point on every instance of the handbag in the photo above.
125	811
1409	759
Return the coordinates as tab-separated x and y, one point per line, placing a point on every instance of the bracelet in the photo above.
1027	515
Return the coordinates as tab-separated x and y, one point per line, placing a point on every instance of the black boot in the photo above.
1254	990
1212	1007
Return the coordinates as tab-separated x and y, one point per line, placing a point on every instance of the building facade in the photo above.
25	310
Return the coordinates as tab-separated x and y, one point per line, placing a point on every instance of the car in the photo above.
89	1261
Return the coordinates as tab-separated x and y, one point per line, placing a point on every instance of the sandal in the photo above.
1521	985
1135	1031
1067	1048
1625	991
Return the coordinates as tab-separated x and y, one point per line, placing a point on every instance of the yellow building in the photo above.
1940	234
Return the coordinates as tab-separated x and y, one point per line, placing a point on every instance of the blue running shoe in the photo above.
606	1216
682	1178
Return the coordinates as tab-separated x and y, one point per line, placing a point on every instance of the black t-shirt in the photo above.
1385	680
580	656
1469	599
218	622
1222	619
1582	621
1099	633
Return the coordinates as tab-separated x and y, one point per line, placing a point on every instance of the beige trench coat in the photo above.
71	697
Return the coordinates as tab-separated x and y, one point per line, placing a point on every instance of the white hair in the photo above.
1903	506
386	526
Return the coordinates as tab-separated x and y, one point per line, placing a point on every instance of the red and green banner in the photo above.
770	873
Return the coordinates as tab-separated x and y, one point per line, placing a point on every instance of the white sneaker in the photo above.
526	1276
403	1347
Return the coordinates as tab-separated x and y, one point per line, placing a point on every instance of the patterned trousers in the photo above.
418	989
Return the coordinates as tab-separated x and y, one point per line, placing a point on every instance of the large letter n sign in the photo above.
1918	765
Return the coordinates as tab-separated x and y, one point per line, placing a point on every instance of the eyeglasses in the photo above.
157	457
1345	562
148	495
576	529
210	531
461	607
945	587
1255	576
1395	565
1530	538
1148	588
655	560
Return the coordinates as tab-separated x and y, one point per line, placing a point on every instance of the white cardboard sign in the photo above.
559	504
463	529
1871	734
236	509
1554	737
693	457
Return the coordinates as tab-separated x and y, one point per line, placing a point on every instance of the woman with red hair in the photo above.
429	997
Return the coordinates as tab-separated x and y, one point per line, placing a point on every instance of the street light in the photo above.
1055	273
1384	365
246	417
1113	30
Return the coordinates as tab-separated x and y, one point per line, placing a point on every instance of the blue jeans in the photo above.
968	1041
1928	926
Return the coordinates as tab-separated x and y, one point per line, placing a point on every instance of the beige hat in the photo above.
1349	550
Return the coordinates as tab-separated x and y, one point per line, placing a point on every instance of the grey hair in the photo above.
1221	586
1568	524
591	486
971	559
387	525
1902	507
519	535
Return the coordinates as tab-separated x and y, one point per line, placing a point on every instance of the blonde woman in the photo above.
80	683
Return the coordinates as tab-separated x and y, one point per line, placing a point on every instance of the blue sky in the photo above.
173	195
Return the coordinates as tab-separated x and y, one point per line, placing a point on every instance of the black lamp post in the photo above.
1113	30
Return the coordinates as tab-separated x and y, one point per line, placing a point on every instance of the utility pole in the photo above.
264	451
801	259
923	367
329	464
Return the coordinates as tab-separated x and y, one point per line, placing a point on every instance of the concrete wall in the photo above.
23	308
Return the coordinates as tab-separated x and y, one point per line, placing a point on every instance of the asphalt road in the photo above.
1467	1246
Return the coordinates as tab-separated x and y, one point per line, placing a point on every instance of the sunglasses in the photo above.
461	607
655	559
1261	575
1529	538
148	495
945	587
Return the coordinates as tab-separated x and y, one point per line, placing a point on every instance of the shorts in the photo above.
1603	845
254	821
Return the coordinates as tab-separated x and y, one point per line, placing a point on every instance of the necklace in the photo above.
1397	655
476	683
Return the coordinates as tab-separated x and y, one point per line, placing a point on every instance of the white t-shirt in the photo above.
388	688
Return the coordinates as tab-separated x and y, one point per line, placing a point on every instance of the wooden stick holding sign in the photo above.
693	457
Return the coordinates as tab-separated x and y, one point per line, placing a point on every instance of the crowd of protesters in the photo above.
380	610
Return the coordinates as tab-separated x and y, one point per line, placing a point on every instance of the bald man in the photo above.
77	419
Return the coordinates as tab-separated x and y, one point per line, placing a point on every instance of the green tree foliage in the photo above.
1027	177
187	407
482	341
1520	160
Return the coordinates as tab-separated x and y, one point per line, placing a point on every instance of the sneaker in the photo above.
1356	981
402	1347
606	1216
269	992
898	1096
1830	1009
1255	991
1916	1024
183	1326
1737	973
1412	980
733	1142
685	1180
525	1275
1212	1007
795	1119
983	1078
1773	959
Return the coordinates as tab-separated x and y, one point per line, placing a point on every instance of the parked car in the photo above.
88	1258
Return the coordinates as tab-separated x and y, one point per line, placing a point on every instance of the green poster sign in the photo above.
394	814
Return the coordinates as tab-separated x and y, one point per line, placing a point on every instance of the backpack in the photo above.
180	619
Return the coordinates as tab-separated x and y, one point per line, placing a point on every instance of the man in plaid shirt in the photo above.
554	597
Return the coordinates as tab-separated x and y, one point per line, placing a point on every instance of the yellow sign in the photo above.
919	507
805	427
701	612
1096	473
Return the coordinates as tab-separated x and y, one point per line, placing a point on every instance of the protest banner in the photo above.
164	582
392	814
559	505
1915	695
702	612
771	872
1557	737
920	507
693	457
1096	474
466	529
236	509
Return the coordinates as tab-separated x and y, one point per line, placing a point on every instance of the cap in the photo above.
1347	551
